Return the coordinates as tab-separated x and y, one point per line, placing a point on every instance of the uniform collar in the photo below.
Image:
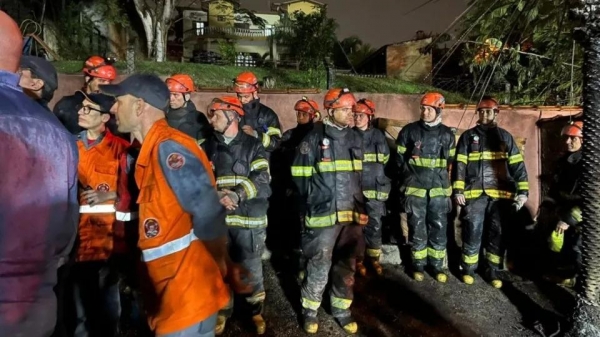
83	138
10	80
151	138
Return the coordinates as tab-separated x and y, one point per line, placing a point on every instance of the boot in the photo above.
377	267
468	279
419	274
348	324
494	279
220	327
360	268
260	324
440	276
310	321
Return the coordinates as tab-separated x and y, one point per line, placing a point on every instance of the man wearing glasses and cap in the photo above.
38	79
181	221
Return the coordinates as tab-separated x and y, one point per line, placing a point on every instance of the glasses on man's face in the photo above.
87	109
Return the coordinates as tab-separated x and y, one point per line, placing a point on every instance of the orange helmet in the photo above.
488	103
246	82
573	129
339	98
180	83
364	106
98	66
307	105
434	99
94	61
226	103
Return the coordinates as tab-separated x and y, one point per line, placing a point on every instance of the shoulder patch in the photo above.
304	148
175	161
151	228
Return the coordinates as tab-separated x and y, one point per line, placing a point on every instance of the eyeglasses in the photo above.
86	109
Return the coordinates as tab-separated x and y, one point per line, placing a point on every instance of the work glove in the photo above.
520	200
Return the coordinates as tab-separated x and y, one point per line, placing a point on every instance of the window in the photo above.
221	18
199	26
269	30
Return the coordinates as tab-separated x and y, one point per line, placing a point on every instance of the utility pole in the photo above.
586	315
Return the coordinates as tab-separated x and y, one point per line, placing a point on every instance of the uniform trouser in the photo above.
97	301
206	328
372	231
482	218
246	246
330	252
427	230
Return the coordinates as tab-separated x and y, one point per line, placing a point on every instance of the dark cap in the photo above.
148	87
104	101
42	69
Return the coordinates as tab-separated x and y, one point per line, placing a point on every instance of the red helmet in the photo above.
339	98
434	99
364	106
226	103
180	83
573	129
95	61
245	83
488	103
97	66
307	105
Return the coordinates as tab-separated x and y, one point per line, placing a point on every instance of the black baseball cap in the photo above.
148	87
41	69
104	101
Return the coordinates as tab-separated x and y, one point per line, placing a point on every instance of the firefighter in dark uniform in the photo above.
242	173
376	186
327	171
283	204
182	114
426	149
566	237
259	120
490	183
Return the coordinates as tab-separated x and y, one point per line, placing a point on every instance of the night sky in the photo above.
379	22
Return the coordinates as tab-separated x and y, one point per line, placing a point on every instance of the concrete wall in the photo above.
519	121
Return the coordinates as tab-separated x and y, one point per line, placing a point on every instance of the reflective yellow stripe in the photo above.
332	219
400	149
302	171
523	186
461	158
576	214
419	254
517	158
376	195
376	158
470	259
556	241
231	181
428	162
273	132
246	222
452	152
493	258
340	166
259	164
309	304
459	185
472	194
266	140
487	155
417	192
440	192
436	254
373	252
340	303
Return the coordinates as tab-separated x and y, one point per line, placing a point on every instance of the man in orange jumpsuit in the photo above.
96	279
182	228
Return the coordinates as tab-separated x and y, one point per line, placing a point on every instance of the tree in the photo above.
353	47
156	16
308	37
525	43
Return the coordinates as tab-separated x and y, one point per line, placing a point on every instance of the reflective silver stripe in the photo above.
168	248
97	209
127	216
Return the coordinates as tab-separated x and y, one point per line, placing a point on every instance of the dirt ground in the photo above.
395	305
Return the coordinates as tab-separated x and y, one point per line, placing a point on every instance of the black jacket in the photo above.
241	166
488	161
564	189
190	121
376	186
283	157
265	122
327	171
67	110
425	154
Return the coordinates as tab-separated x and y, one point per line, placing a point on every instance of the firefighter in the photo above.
490	183
259	120
242	173
104	199
182	114
38	79
426	149
376	186
181	221
327	171
97	70
566	237
286	236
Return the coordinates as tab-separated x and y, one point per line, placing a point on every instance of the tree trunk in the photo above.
148	23
161	42
586	316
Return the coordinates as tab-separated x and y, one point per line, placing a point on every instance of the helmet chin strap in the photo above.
229	122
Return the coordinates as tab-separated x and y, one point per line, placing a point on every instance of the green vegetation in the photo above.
211	76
